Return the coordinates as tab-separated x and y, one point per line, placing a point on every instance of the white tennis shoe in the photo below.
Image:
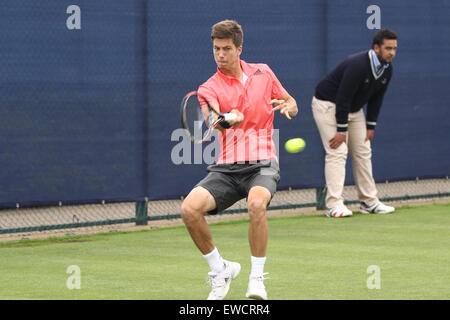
256	289
339	212
220	282
376	208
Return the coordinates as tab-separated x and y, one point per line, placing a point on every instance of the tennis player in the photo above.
337	106
247	166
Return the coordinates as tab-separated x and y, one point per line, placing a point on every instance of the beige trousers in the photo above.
324	113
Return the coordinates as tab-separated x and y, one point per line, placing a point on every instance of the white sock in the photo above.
214	260
257	266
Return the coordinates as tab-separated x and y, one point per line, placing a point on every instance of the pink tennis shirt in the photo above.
252	140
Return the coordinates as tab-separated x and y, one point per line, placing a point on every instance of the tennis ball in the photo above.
295	145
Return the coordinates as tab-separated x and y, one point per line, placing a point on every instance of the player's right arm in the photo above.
238	120
213	101
232	123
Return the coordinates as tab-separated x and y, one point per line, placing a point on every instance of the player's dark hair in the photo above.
228	29
379	37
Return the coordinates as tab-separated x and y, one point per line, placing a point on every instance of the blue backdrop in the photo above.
88	114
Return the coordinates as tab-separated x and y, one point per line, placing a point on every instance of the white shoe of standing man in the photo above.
220	281
377	207
339	212
256	289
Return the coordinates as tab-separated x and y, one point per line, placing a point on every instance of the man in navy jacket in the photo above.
361	79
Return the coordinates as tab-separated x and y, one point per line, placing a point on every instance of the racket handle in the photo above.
229	116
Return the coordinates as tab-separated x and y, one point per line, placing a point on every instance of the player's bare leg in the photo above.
258	200
197	203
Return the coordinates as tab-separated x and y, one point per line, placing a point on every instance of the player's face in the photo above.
226	53
386	52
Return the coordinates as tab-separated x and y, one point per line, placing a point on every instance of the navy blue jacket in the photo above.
353	84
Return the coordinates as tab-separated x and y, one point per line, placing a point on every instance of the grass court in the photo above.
309	257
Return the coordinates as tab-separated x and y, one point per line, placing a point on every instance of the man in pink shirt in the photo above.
247	165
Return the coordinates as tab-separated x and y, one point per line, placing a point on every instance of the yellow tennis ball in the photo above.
295	145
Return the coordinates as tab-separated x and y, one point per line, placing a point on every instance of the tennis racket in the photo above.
199	119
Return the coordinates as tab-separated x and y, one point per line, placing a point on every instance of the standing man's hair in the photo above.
379	37
228	29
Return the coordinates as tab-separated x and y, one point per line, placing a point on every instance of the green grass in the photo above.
309	257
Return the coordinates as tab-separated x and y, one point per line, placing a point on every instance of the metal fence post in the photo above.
321	194
141	213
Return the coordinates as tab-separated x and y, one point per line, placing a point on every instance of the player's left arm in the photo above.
286	104
281	99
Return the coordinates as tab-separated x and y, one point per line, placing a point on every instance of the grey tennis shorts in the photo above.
229	183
